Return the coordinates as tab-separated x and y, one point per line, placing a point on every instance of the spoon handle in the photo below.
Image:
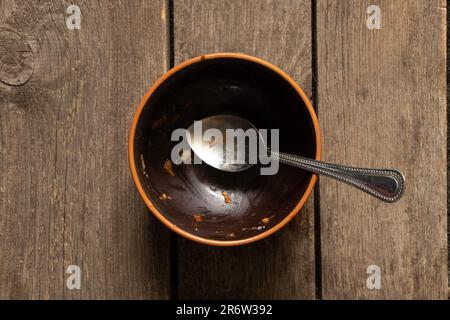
385	184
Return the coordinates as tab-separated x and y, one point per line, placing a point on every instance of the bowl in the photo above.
200	202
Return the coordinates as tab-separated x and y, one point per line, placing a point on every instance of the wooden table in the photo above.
67	98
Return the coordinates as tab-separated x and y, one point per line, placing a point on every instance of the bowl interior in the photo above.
193	199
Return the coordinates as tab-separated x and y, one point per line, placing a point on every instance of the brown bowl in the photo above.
189	199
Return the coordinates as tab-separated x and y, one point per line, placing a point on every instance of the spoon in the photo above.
385	184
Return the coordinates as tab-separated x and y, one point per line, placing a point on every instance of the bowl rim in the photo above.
152	207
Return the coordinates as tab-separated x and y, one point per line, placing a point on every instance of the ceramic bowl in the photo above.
200	202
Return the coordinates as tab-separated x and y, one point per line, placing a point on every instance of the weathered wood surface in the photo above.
448	153
382	103
67	98
281	266
66	194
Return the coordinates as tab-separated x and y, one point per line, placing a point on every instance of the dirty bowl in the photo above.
200	202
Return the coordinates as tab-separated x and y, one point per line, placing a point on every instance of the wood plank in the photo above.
448	153
281	266
381	97
66	194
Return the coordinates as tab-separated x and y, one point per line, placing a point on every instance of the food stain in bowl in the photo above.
159	122
266	220
226	197
169	168
164	197
259	228
143	165
262	226
198	217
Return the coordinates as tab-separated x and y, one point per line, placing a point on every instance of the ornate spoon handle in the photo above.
385	184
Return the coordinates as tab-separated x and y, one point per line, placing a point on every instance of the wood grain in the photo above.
66	194
278	31
381	96
448	153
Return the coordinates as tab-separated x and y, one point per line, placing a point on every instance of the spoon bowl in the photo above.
220	152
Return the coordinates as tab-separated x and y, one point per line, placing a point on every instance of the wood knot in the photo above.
16	59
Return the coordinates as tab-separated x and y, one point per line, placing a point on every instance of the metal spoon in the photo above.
385	184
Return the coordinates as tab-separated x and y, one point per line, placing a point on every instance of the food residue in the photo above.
266	220
143	165
159	122
142	161
198	217
168	168
259	228
231	235
164	197
226	197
